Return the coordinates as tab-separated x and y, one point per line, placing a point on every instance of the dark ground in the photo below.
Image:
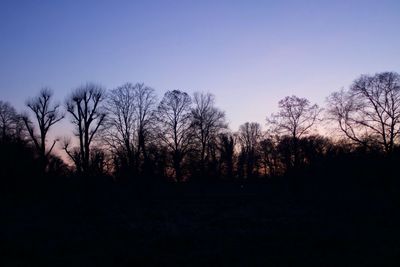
226	224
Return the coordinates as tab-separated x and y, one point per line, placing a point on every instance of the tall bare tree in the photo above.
174	121
369	110
131	111
295	118
46	115
145	100
120	131
207	121
87	115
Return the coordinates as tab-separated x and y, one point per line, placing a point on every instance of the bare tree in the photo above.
120	130
73	153
174	121
249	136
207	121
145	99
46	115
131	109
295	118
87	115
369	110
8	120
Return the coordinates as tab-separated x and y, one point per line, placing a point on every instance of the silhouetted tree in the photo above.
119	133
226	148
131	108
369	110
175	131
207	121
46	115
145	100
87	115
8	120
295	118
285	149
269	156
249	136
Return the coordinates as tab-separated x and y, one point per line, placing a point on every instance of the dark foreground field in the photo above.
230	224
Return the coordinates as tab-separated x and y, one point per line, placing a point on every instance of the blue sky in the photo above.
249	54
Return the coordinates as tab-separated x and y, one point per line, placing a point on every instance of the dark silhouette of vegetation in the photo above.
125	133
46	115
128	128
295	119
10	122
369	112
175	128
84	106
185	138
226	149
249	137
207	121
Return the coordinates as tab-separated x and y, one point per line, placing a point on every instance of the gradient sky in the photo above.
249	54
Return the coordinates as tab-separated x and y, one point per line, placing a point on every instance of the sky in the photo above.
249	54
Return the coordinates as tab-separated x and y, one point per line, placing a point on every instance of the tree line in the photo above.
128	133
